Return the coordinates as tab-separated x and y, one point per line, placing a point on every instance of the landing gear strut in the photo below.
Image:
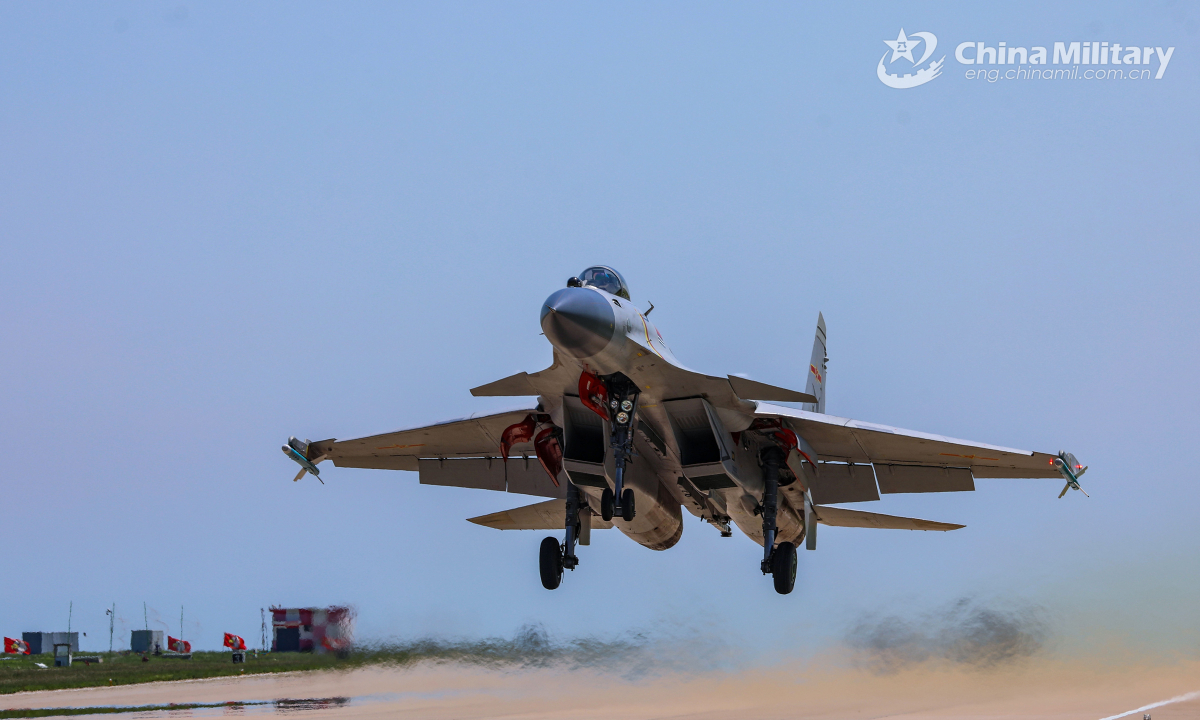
622	411
569	560
553	558
779	562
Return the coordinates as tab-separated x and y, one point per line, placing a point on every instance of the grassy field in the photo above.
530	646
20	673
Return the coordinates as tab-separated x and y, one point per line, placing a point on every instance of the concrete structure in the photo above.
312	629
62	654
43	642
141	641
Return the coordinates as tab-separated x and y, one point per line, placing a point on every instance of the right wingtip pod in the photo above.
1071	470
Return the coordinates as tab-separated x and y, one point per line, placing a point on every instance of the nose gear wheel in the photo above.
608	504
627	511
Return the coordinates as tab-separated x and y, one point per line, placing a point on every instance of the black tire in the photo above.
606	504
783	567
627	509
550	563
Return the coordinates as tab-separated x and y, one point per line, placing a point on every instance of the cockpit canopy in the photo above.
606	279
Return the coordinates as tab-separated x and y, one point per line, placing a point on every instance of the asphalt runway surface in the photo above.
1033	689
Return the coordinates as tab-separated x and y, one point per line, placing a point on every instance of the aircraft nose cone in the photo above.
578	321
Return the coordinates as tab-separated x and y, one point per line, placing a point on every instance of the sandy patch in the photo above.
1031	690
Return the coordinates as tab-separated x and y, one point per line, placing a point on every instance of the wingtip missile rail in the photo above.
1071	470
298	451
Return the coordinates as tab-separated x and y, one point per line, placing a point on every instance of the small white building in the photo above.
143	641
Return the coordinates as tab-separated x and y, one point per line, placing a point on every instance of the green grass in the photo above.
529	647
20	674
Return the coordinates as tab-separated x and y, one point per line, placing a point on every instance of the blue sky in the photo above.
224	224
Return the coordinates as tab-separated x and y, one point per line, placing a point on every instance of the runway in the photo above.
1041	689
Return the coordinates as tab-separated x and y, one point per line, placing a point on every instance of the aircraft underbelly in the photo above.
789	526
658	524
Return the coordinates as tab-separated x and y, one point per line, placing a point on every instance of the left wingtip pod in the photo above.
298	452
1071	470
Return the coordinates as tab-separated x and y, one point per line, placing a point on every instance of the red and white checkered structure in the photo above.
312	629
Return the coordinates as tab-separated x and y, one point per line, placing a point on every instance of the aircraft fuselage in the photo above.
603	334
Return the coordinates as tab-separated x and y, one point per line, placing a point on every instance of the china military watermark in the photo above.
1058	60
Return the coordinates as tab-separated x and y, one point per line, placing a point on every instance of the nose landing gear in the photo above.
614	398
622	407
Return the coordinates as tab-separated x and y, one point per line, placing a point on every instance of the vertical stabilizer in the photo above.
816	369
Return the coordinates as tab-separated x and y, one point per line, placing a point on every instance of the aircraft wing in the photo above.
900	461
547	515
841	517
457	453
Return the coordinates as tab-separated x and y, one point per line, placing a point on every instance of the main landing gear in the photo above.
553	558
779	562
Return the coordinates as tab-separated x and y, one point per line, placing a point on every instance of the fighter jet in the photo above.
618	433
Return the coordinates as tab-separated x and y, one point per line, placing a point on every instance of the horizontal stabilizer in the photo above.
548	515
754	390
840	517
513	385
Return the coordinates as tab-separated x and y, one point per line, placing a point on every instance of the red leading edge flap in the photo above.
593	394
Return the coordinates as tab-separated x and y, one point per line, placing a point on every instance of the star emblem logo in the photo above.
902	47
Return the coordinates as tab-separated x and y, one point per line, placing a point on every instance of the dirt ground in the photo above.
1041	689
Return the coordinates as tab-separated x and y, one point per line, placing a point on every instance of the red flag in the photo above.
234	642
16	646
177	645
